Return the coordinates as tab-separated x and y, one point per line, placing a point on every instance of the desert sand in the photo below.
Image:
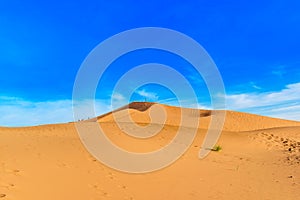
260	159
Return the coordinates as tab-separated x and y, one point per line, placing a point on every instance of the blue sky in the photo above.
255	45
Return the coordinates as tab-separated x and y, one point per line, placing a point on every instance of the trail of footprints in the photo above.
290	147
101	190
293	149
110	176
6	187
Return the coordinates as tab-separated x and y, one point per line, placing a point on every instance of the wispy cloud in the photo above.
255	86
195	78
118	100
279	71
283	104
118	97
16	111
147	95
20	112
186	103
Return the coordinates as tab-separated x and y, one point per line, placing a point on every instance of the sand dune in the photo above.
260	159
235	121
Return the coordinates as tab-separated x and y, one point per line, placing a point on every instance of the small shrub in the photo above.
217	148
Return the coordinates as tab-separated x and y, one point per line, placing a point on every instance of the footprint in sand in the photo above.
7	186
270	137
62	165
15	172
111	175
129	198
292	148
91	158
100	190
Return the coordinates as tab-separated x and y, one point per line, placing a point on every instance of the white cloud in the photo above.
117	101
255	86
282	104
279	71
20	112
148	95
186	103
118	97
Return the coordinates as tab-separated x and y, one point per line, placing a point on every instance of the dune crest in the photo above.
235	121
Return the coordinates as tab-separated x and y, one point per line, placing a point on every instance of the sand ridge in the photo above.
235	121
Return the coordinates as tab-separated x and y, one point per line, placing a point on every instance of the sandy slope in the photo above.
260	159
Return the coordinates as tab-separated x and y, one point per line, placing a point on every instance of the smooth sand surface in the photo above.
260	159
